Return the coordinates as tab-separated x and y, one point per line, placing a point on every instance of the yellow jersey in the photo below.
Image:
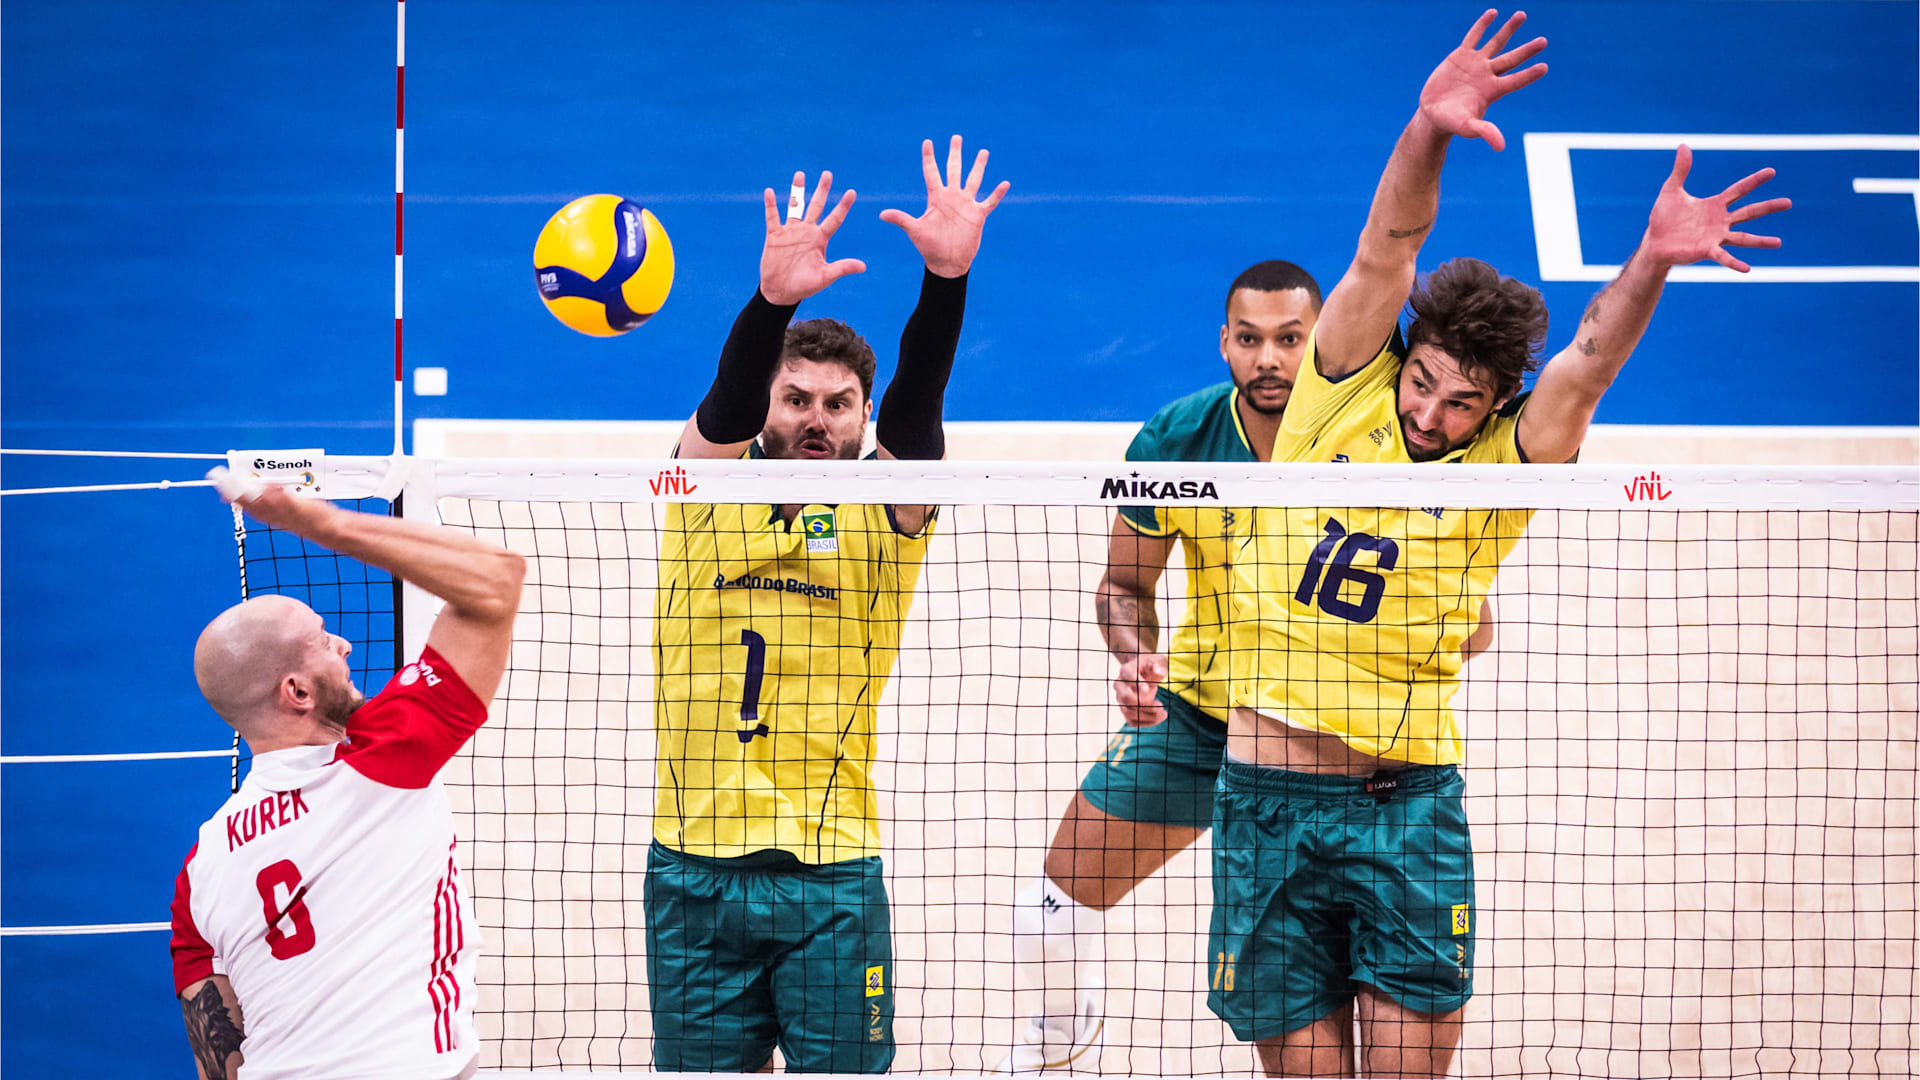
1203	426
1352	620
772	645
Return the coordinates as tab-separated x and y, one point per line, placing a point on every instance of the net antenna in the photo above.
399	189
398	507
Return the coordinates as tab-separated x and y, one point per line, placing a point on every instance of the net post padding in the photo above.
1690	761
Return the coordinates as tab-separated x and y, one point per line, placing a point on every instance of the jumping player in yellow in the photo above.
1343	871
1149	795
775	632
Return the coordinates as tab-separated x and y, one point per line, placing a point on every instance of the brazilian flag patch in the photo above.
819	530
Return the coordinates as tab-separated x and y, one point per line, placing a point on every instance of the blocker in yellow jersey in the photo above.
1343	867
775	628
1354	621
773	653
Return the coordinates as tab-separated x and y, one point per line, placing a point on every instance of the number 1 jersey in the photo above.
1352	620
326	891
773	642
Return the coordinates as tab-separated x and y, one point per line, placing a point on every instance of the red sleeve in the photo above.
192	956
405	734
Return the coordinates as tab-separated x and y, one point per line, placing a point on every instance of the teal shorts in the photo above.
1163	774
746	954
1319	885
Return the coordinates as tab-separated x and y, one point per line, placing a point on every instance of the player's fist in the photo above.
1133	689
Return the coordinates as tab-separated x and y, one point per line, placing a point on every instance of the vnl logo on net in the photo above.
1556	215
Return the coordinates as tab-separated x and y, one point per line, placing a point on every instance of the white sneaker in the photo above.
1059	1043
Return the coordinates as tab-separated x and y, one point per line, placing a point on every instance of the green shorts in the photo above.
746	954
1163	774
1319	885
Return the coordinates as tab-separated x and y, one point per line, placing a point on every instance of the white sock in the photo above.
1060	942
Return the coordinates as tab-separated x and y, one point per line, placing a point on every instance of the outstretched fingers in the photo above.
978	174
840	268
1741	239
1505	32
820	192
1682	165
773	216
1472	40
1719	255
1486	129
953	162
839	213
993	200
1740	188
1760	209
1507	84
928	171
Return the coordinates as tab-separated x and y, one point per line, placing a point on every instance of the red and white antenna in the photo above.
399	188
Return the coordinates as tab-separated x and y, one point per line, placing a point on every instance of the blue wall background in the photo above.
197	228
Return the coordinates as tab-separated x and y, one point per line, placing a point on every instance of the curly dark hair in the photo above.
1493	326
832	341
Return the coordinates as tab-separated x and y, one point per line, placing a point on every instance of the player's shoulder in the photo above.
1189	428
1499	441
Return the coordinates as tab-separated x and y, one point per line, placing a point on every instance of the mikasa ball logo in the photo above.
633	232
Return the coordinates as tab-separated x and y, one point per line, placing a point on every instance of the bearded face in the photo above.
335	701
817	410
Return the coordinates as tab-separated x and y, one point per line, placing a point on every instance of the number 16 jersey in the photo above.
773	642
1352	621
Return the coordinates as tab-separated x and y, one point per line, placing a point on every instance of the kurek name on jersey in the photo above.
327	891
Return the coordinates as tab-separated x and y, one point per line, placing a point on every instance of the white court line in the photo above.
95	928
160	755
1556	214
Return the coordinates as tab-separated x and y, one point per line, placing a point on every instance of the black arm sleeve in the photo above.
909	423
735	408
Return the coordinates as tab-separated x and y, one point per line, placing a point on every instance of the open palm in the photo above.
947	234
1473	76
793	261
1683	229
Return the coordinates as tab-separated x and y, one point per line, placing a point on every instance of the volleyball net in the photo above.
1690	753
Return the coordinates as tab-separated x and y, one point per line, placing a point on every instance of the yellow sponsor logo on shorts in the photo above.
876	980
1460	918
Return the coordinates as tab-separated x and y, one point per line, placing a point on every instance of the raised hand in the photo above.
1133	689
948	233
1683	229
793	263
1473	77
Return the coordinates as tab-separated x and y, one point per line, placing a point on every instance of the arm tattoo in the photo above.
211	1031
1406	234
1587	346
1123	611
1593	312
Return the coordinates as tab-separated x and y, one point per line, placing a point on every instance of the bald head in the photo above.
244	654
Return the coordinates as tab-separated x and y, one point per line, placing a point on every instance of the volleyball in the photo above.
603	265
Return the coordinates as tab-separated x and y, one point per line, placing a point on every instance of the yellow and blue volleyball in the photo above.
603	265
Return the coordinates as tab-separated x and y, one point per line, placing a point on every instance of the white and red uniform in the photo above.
326	890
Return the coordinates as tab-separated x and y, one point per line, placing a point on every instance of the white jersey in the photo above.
326	890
